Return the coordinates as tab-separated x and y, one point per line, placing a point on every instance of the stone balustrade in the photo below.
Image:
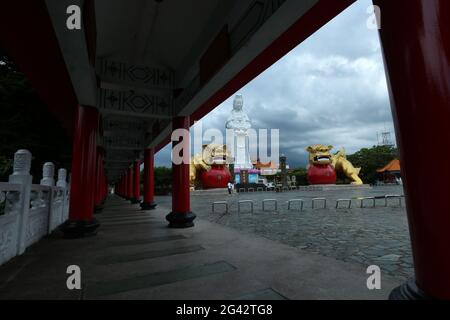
30	211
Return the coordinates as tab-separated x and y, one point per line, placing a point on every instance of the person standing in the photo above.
230	187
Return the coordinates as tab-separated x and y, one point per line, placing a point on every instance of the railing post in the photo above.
62	183
48	180
21	175
62	176
48	174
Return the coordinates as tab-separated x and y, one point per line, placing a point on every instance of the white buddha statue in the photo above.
239	122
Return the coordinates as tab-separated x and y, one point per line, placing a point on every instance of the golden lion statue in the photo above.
321	155
211	154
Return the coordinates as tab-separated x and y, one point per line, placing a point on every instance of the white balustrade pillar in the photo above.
21	175
48	174
62	183
62	175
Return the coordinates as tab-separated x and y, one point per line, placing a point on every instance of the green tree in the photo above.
26	123
301	176
163	180
371	159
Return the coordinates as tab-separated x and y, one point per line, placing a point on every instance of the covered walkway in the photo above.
121	90
135	256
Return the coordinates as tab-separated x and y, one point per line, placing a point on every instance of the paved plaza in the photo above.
370	235
135	256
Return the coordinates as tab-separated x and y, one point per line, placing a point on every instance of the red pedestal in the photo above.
321	174
217	177
136	182
181	215
415	37
82	189
148	202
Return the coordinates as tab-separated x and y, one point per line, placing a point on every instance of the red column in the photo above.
126	181
181	215
148	203
99	180
130	184
136	198
415	36
122	186
81	221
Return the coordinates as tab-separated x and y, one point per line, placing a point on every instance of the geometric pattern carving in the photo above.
155	105
138	76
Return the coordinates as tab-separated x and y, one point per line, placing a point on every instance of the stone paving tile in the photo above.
363	235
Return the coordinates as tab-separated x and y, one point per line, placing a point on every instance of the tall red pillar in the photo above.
415	36
99	180
122	187
82	189
149	180
126	181
136	198
181	215
130	184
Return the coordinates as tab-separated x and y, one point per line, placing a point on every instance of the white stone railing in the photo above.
28	212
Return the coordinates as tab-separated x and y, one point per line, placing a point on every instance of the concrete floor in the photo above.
369	236
135	256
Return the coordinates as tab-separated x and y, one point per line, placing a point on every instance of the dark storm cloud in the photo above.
331	89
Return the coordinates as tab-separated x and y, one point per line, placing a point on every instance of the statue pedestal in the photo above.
321	174
216	177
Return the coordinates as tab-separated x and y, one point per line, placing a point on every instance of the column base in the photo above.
79	228
134	201
148	205
181	219
409	291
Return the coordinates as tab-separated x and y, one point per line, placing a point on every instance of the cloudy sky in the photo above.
331	89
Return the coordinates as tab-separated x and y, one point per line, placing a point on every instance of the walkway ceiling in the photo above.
141	62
